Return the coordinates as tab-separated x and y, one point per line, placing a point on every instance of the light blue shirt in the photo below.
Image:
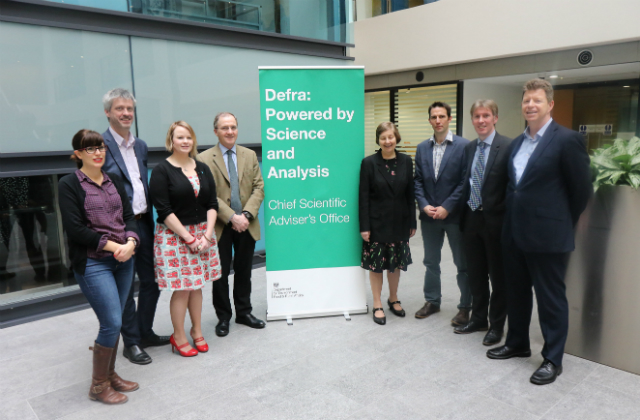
488	141
527	148
233	156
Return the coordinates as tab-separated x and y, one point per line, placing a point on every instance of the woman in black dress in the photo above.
387	217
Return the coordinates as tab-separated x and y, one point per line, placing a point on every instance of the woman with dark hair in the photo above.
184	194
101	229
387	217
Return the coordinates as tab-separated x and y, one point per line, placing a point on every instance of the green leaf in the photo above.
634	179
623	158
605	162
620	145
635	160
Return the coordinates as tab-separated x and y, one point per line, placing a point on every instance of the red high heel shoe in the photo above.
202	348
185	353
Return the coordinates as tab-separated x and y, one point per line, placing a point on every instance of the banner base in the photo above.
281	317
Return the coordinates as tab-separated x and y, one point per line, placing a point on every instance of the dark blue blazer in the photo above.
446	191
114	163
543	208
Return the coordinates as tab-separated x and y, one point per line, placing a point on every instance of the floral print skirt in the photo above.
176	267
379	256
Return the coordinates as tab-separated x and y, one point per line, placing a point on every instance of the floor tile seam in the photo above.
31	408
56	389
563	398
535	415
634	397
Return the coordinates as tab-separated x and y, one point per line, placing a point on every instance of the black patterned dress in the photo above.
380	256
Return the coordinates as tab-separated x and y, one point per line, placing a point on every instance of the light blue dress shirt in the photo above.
488	141
527	148
233	156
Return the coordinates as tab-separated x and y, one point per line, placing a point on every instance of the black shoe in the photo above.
250	321
546	373
401	313
470	327
222	329
379	321
136	355
154	341
505	352
493	337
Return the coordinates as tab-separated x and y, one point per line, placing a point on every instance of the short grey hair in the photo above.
220	115
109	97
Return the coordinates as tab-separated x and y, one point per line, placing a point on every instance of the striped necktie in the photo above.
475	202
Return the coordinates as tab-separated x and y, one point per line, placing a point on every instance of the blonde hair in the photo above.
168	144
490	104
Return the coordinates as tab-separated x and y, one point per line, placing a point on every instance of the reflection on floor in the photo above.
323	368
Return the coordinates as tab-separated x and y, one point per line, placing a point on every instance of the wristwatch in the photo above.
134	240
248	215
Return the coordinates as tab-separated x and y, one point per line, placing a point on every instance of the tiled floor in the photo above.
323	368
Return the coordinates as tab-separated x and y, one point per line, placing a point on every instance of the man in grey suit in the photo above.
126	157
483	206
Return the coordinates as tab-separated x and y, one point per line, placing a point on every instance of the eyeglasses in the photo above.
91	149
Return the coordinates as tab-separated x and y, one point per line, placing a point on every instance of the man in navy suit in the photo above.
549	186
127	157
483	207
439	182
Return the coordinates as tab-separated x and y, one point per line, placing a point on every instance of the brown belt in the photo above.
139	216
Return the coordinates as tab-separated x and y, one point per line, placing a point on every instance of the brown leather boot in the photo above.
117	382
100	386
461	318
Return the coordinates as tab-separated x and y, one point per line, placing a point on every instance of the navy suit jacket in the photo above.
544	207
114	163
446	191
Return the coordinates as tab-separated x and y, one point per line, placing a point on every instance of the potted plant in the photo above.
617	164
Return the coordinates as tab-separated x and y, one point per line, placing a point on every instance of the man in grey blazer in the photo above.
438	185
126	157
483	207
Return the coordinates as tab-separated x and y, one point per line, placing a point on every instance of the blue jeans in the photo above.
433	238
106	284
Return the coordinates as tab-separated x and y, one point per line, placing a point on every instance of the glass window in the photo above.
52	81
32	251
119	5
377	109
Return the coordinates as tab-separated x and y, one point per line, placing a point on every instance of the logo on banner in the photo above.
276	284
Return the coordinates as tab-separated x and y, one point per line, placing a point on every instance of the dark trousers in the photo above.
545	272
243	246
137	324
483	249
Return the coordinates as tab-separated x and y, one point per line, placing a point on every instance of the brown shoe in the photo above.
461	318
101	389
428	309
117	382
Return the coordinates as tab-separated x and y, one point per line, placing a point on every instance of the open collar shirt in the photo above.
527	148
139	202
438	151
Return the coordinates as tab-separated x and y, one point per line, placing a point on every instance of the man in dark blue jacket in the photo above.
126	157
549	186
439	182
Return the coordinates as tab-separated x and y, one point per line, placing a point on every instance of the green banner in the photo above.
312	146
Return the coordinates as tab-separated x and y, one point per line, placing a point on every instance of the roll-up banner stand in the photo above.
312	147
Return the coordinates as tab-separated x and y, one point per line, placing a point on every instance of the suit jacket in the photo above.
543	208
446	191
494	184
249	180
114	164
387	209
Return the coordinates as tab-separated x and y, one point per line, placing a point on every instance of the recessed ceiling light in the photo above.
553	76
626	86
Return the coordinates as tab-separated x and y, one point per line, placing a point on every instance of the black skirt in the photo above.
379	256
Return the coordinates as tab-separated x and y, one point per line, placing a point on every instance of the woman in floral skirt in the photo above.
184	194
387	217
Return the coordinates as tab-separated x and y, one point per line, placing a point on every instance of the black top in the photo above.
387	202
171	192
71	197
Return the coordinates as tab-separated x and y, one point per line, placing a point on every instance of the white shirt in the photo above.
527	148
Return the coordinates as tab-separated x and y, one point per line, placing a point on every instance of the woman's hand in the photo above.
365	235
193	247
124	252
204	245
412	232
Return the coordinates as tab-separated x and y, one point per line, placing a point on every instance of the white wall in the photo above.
457	31
508	98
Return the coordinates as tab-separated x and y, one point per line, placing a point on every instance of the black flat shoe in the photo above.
505	352
546	373
470	327
136	355
401	313
154	341
493	337
379	321
222	329
250	321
